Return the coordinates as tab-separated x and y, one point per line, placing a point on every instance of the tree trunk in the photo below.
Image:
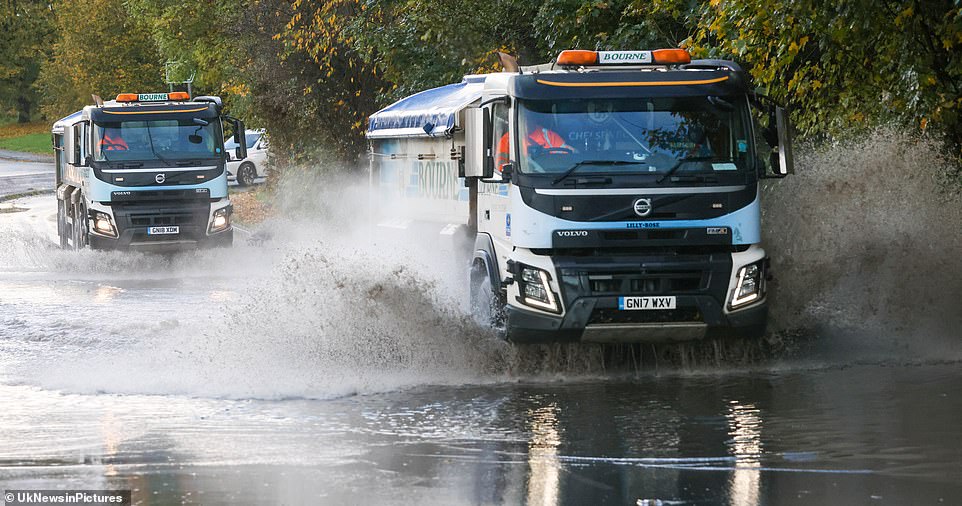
23	109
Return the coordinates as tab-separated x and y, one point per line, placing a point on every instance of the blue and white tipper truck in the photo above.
144	172
609	196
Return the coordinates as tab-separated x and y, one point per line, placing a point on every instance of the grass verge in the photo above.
26	137
30	143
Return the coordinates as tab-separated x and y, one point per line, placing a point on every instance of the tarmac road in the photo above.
31	173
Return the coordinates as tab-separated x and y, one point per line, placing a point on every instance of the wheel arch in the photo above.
485	255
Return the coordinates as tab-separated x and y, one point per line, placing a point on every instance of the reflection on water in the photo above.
744	428
745	439
544	467
106	293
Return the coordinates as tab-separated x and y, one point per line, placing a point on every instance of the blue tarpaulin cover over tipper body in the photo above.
428	113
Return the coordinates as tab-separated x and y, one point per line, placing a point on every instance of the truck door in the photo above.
493	201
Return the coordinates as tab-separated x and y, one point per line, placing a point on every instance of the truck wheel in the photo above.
79	228
486	305
62	224
246	174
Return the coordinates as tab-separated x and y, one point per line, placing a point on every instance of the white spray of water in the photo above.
863	242
866	248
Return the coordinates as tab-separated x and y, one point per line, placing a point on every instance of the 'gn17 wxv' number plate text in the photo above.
628	303
162	230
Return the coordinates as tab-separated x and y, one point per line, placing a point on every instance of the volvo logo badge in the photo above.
160	178
642	207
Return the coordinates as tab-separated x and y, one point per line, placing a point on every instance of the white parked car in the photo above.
254	166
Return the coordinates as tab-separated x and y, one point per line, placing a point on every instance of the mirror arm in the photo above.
504	99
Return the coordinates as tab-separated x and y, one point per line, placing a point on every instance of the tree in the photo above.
850	64
101	49
27	25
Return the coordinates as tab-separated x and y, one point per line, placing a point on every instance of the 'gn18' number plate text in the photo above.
162	230
629	303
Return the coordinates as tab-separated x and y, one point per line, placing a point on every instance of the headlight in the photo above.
748	286
536	291
220	220
103	224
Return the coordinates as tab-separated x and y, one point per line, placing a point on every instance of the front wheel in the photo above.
487	305
246	174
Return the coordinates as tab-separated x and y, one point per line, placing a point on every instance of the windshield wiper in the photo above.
571	170
683	161
150	138
189	161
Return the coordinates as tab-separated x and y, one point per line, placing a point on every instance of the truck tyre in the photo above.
246	174
62	224
487	306
79	228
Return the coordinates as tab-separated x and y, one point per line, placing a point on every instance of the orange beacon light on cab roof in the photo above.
581	57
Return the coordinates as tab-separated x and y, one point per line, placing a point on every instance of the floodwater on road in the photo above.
830	436
316	370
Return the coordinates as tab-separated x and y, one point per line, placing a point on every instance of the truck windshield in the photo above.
176	139
657	136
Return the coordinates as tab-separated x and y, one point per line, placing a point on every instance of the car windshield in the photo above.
659	136
177	139
250	139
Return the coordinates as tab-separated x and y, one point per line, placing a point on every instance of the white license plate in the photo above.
632	303
162	230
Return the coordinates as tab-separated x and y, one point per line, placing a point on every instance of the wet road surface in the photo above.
266	376
22	176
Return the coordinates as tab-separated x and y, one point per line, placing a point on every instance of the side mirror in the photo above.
786	160
477	147
239	137
507	170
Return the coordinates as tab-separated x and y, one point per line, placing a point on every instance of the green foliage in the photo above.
202	37
101	50
313	71
848	64
31	143
26	25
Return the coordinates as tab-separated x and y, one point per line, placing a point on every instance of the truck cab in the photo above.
614	197
144	172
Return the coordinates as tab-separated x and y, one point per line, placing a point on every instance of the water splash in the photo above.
865	241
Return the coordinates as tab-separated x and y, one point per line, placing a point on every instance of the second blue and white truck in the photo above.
146	172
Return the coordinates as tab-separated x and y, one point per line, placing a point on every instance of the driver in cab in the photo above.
112	141
540	136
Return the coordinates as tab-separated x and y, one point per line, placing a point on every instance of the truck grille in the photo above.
648	283
152	220
601	315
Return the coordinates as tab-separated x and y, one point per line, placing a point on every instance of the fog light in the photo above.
748	287
103	225
536	291
220	221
